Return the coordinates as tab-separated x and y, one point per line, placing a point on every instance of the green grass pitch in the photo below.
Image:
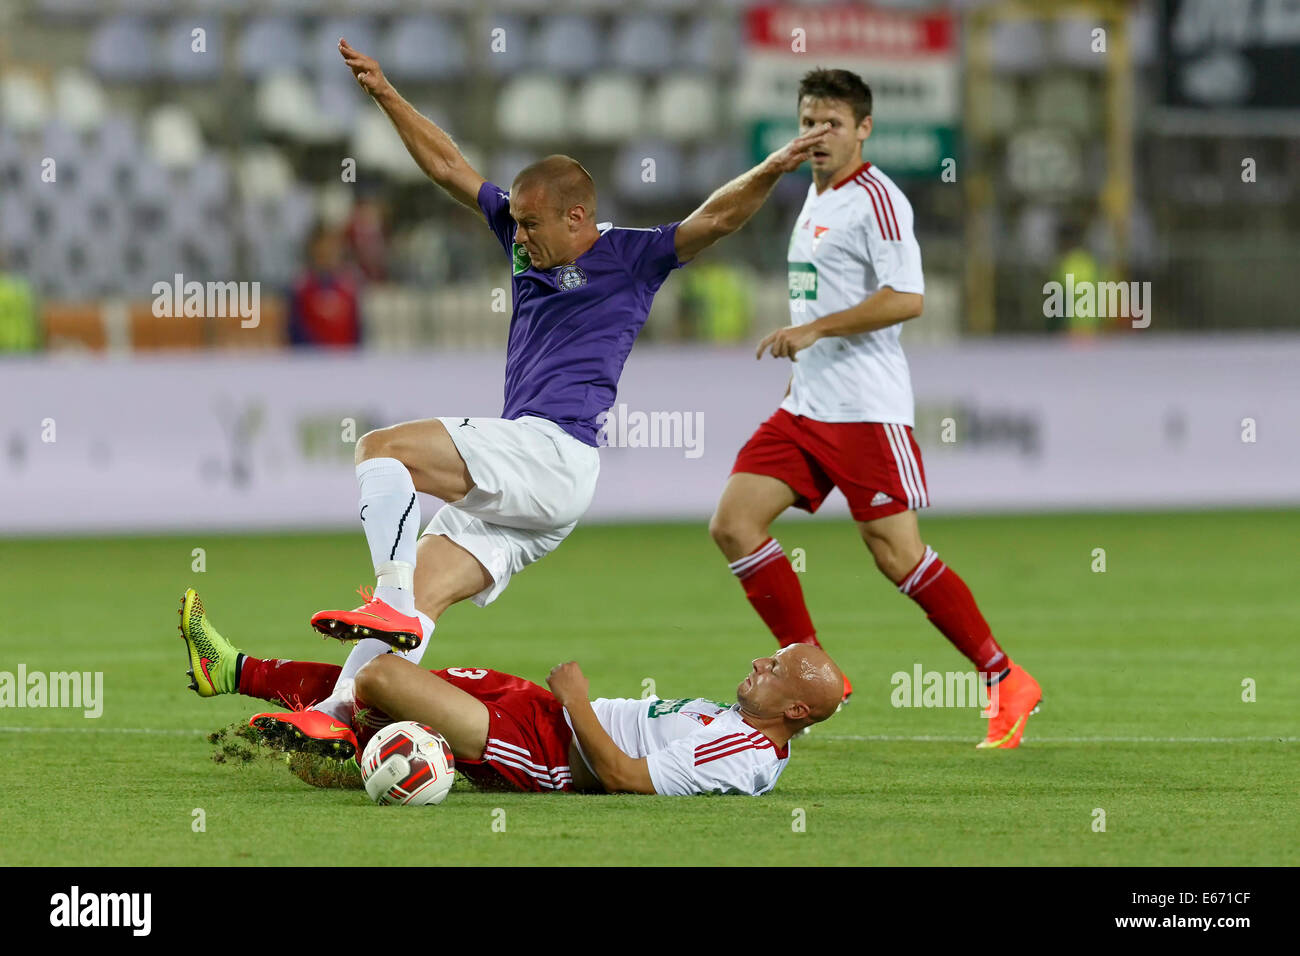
1142	668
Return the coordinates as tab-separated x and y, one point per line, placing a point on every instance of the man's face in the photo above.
843	144
540	228
772	685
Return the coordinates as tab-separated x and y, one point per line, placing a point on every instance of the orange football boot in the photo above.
310	731
1017	696
376	619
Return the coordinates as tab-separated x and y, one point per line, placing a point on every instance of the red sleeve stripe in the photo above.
882	222
887	202
726	753
726	746
721	743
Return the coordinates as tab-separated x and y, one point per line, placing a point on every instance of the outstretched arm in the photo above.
430	147
617	772
730	207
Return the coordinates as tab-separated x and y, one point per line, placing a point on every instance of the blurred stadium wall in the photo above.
222	141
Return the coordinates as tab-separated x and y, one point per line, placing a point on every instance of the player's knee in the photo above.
723	532
891	561
374	677
735	537
375	444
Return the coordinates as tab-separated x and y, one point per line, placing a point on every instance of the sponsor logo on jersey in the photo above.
803	280
521	260
702	718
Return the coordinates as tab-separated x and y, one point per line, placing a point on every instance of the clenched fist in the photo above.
567	682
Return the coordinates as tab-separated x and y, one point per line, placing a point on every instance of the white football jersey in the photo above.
848	242
692	746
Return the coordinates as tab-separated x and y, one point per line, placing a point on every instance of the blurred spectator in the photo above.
1079	263
367	235
715	303
324	308
17	313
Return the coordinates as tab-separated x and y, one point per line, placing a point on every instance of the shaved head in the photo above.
564	182
796	687
820	683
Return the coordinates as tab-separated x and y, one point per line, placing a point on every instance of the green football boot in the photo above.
212	657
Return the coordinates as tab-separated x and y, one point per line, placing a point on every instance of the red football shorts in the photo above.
876	465
528	738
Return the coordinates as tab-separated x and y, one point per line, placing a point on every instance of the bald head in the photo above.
797	686
563	181
819	682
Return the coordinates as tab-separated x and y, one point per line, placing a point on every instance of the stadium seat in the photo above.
567	44
423	47
263	173
124	49
708	43
285	103
683	107
183	61
375	145
608	108
24	103
533	107
79	100
642	43
270	45
175	139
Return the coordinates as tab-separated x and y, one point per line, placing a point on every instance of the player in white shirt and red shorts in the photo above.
509	733
846	420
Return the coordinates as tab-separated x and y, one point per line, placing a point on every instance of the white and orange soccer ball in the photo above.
408	764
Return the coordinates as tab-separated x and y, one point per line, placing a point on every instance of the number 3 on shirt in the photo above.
468	673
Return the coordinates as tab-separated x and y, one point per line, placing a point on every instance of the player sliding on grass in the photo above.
846	421
509	732
515	485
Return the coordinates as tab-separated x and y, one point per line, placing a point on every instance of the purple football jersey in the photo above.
573	325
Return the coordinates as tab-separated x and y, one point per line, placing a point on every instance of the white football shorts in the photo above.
532	482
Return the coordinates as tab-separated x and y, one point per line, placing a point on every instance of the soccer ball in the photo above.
408	764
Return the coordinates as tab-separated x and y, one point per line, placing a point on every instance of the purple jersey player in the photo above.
515	486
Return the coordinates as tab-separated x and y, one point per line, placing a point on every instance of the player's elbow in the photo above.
913	305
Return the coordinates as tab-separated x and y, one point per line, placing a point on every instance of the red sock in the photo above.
773	589
951	608
292	683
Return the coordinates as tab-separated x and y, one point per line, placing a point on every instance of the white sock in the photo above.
340	702
390	514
